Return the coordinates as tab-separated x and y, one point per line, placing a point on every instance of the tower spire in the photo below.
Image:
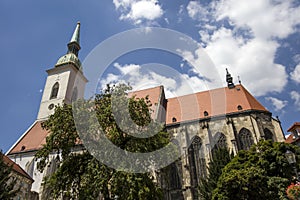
74	45
71	57
229	79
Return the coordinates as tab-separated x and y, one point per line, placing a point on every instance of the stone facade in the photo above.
235	131
23	180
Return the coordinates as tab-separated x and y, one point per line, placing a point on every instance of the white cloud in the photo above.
296	97
140	77
277	103
122	3
180	13
196	11
139	11
295	75
128	69
167	20
252	60
111	78
296	58
201	65
248	48
181	9
265	18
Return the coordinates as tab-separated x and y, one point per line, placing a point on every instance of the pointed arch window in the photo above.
245	139
174	177
268	134
219	141
74	94
197	164
54	91
197	160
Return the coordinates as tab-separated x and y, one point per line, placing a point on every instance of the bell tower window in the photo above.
54	91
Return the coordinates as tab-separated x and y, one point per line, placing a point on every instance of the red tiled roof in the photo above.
15	167
215	102
33	139
290	139
154	95
294	126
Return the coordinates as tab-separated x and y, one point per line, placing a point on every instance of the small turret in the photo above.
229	80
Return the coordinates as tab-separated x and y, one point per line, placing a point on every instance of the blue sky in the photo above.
258	41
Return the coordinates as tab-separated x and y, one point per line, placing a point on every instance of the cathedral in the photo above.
224	117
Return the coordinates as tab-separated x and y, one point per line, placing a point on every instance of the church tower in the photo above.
65	82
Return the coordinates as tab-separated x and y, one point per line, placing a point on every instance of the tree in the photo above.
220	158
262	172
80	175
7	182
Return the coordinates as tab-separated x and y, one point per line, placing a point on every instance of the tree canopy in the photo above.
80	175
262	172
220	158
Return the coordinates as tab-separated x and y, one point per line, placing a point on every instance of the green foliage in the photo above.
63	135
80	175
132	186
7	182
263	172
220	158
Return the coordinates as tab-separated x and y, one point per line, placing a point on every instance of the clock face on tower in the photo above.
51	106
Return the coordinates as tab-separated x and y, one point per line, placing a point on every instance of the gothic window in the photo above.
175	180
54	91
245	139
219	141
197	160
268	134
75	94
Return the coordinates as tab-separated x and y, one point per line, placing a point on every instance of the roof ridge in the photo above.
22	136
16	168
251	99
159	86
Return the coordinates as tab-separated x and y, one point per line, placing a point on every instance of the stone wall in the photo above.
235	128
